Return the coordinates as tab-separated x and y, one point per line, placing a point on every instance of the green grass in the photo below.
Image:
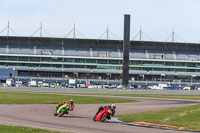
187	117
15	129
29	98
172	96
189	97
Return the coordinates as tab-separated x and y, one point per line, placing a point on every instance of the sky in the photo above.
157	18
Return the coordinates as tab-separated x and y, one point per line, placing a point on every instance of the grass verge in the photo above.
187	117
16	129
189	97
29	98
174	96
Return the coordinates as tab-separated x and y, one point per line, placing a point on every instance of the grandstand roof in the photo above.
77	42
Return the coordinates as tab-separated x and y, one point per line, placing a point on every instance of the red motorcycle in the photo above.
103	115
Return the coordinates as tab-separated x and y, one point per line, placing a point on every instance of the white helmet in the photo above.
113	106
71	101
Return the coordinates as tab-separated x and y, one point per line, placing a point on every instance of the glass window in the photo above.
80	60
11	64
2	57
45	65
34	65
168	69
45	59
134	68
12	58
157	69
37	59
135	62
23	58
146	69
68	60
169	64
191	65
190	70
158	63
114	62
79	66
120	68
57	65
68	66
180	70
91	61
2	64
55	59
102	61
91	67
147	63
180	64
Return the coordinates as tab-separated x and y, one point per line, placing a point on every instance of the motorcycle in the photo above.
103	115
63	109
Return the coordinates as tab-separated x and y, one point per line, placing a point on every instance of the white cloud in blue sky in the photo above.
157	17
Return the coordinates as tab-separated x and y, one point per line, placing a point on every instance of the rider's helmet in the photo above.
71	101
113	106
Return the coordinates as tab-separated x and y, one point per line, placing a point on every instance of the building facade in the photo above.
99	59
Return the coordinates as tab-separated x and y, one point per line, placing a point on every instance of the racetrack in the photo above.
80	120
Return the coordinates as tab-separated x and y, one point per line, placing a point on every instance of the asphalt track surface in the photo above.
80	120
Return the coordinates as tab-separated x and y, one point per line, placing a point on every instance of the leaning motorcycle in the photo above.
103	115
63	109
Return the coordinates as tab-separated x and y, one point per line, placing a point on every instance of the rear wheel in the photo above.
62	112
55	113
94	118
104	117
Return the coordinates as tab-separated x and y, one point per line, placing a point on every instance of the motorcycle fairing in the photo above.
61	107
98	117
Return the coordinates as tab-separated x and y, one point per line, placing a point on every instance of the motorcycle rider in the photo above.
112	107
69	102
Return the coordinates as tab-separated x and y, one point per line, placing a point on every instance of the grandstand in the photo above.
42	57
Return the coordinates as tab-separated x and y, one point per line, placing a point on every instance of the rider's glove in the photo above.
113	112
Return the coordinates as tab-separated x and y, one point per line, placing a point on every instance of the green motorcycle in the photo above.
63	109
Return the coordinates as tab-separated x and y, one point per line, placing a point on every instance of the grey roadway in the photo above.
80	120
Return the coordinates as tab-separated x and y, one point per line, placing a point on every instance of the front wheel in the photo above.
104	117
62	112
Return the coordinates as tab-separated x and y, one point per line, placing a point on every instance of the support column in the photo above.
91	52
35	50
63	51
7	49
126	49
